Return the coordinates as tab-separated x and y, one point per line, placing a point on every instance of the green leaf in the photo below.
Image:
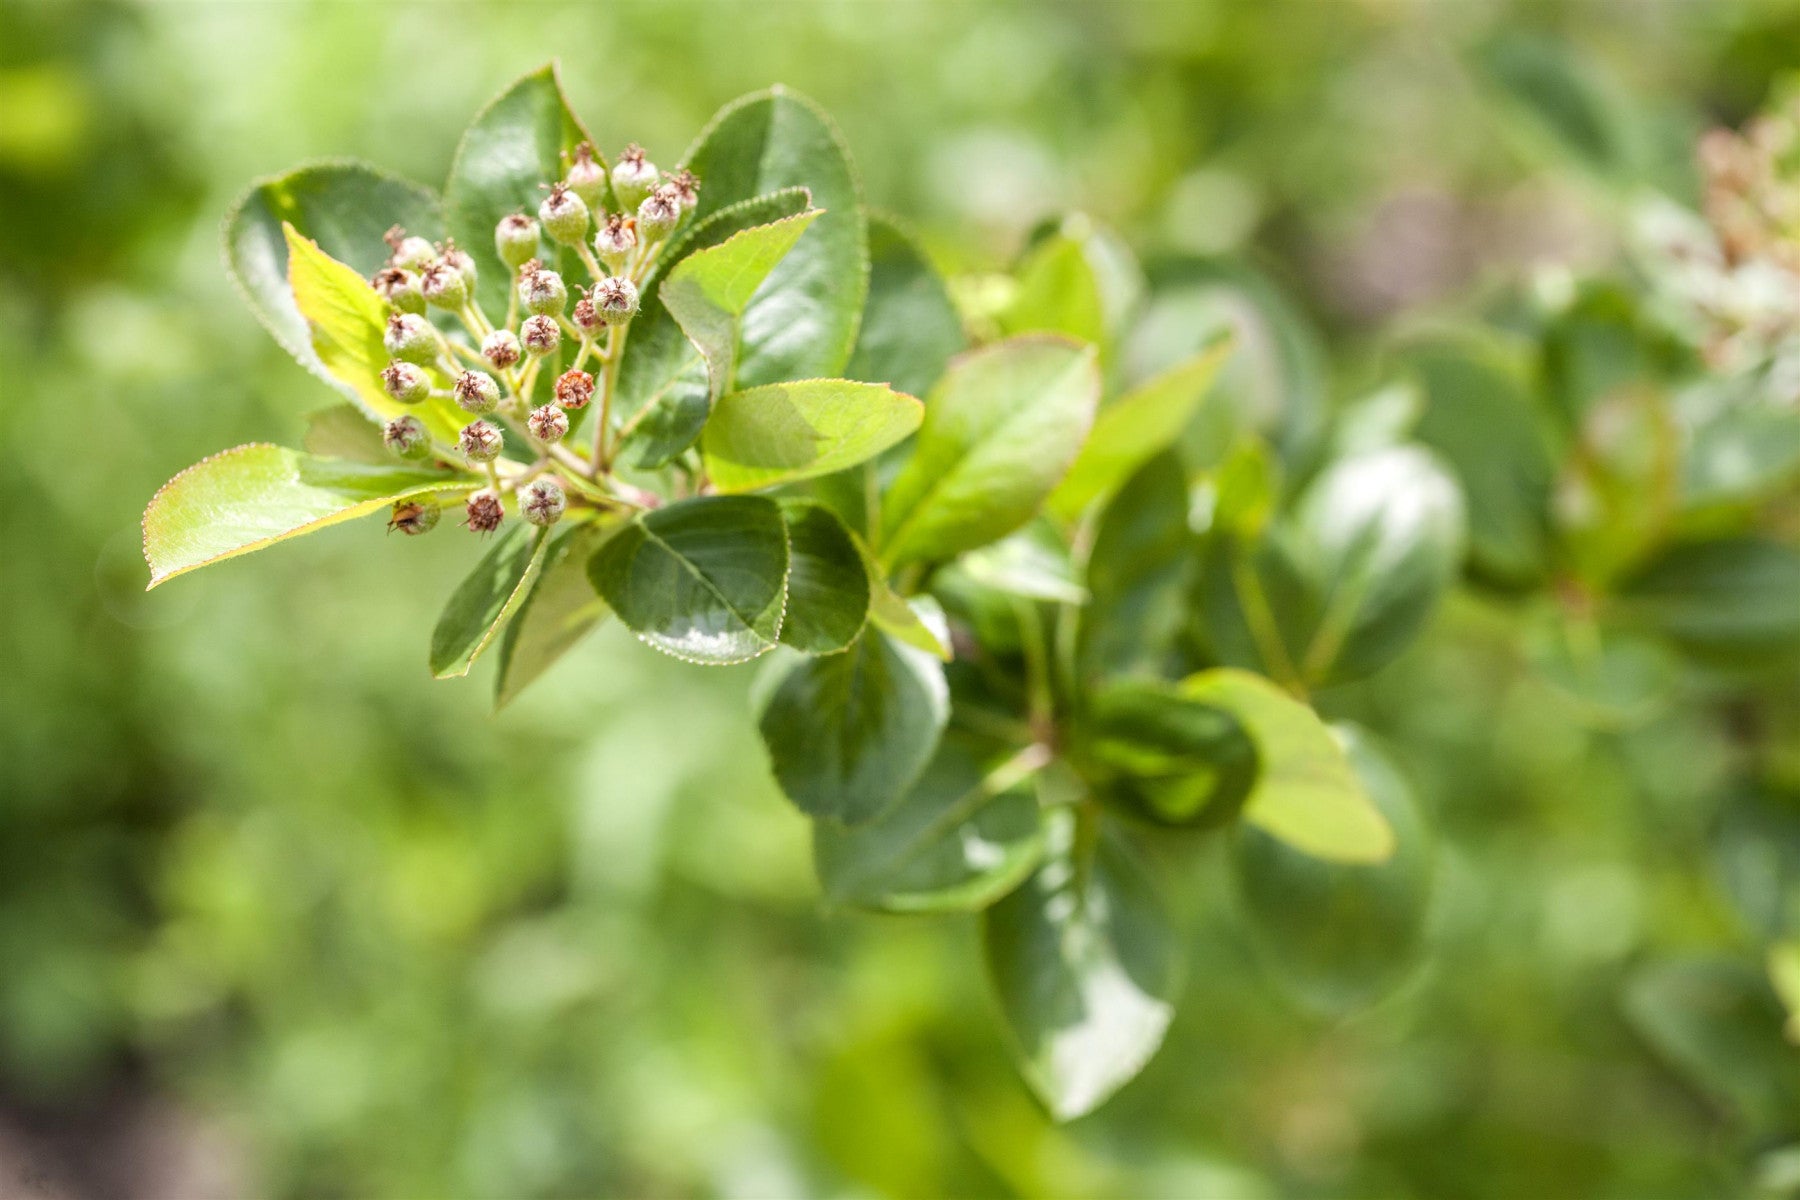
1132	430
1000	429
1340	589
1057	293
662	384
703	580
345	207
1561	107
910	327
483	603
1784	974
802	322
347	318
708	292
1307	794
828	584
918	622
1139	574
254	496
783	432
1338	935
519	141
559	612
345	431
1479	420
1733	601
1086	964
1033	563
1166	757
848	734
964	836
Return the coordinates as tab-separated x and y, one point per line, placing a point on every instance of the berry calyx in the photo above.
405	382
477	392
480	441
413	517
483	511
501	348
615	300
615	240
541	335
405	437
548	424
516	239
586	177
543	501
574	388
410	338
633	176
564	216
542	292
400	288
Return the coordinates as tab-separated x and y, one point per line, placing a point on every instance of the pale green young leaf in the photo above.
1306	793
783	432
918	622
560	611
253	496
703	580
1000	430
483	603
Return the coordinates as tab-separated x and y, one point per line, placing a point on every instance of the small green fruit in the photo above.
615	300
409	253
615	240
501	348
400	288
413	517
405	437
548	424
406	382
516	240
659	213
480	441
543	292
541	335
543	501
410	338
564	216
484	512
633	176
477	392
587	178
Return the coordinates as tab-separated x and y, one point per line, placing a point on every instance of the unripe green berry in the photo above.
548	424
516	239
541	335
658	214
445	285
400	288
410	338
633	176
543	501
406	382
587	178
574	388
409	253
480	441
685	188
405	437
477	392
586	316
542	292
413	517
564	216
616	300
615	240
501	348
483	510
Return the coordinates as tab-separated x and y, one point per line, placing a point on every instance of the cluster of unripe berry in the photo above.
492	376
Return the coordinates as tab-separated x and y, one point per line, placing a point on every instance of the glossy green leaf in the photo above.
1139	572
802	322
1057	293
848	734
559	612
254	496
910	327
1339	935
1000	429
1032	563
828	583
1166	757
1133	429
1307	793
918	622
708	292
1735	601
704	580
965	834
521	140
783	432
344	207
483	603
1085	963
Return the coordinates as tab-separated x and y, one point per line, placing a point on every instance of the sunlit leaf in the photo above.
483	603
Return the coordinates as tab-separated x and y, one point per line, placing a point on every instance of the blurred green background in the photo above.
281	916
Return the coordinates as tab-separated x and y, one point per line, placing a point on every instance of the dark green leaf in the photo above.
1032	563
828	584
848	734
1085	964
1734	601
1340	934
704	579
1138	574
910	328
559	612
965	835
1166	757
486	600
